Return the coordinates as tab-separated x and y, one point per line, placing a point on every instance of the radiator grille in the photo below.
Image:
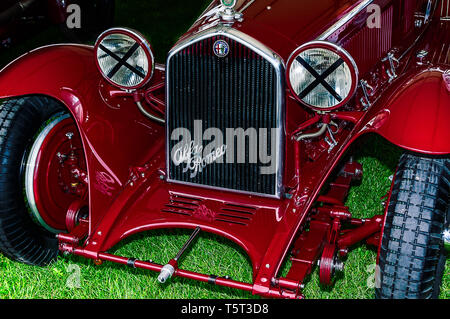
236	91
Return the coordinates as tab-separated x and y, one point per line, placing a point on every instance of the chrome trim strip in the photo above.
246	6
279	66
160	67
30	167
357	9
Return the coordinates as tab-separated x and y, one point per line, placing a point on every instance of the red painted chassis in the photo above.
125	157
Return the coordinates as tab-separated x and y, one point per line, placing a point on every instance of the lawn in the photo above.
162	22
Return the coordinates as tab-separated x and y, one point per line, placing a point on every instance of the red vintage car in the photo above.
245	132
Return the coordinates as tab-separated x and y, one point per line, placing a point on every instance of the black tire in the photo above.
96	17
21	238
412	259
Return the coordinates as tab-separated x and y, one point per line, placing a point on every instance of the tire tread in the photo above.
411	246
20	238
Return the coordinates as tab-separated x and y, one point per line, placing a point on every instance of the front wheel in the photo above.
42	172
412	256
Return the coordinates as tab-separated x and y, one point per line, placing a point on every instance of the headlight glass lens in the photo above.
321	78
123	60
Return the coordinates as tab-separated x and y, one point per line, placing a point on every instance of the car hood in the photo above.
282	25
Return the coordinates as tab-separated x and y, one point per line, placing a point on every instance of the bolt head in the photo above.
338	266
69	135
422	54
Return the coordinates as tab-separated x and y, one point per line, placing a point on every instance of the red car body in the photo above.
126	152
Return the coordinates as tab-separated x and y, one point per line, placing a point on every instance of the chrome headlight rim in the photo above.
143	43
342	53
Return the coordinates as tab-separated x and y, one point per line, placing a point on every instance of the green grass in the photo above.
163	23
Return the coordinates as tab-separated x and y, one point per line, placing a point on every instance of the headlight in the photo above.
322	75
124	58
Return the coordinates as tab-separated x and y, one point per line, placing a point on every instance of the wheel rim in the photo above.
55	173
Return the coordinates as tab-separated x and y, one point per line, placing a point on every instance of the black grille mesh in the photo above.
238	91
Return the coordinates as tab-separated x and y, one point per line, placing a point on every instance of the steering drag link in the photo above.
168	270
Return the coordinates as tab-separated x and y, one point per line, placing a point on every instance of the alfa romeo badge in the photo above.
221	48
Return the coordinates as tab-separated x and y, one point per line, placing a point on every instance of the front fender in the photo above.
49	70
415	113
116	136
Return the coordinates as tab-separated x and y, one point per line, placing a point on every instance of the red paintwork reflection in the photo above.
417	114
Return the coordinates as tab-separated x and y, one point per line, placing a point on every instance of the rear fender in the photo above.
116	136
414	114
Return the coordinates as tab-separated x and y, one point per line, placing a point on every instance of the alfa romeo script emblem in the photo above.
221	48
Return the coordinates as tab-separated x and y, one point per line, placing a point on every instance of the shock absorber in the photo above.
168	270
